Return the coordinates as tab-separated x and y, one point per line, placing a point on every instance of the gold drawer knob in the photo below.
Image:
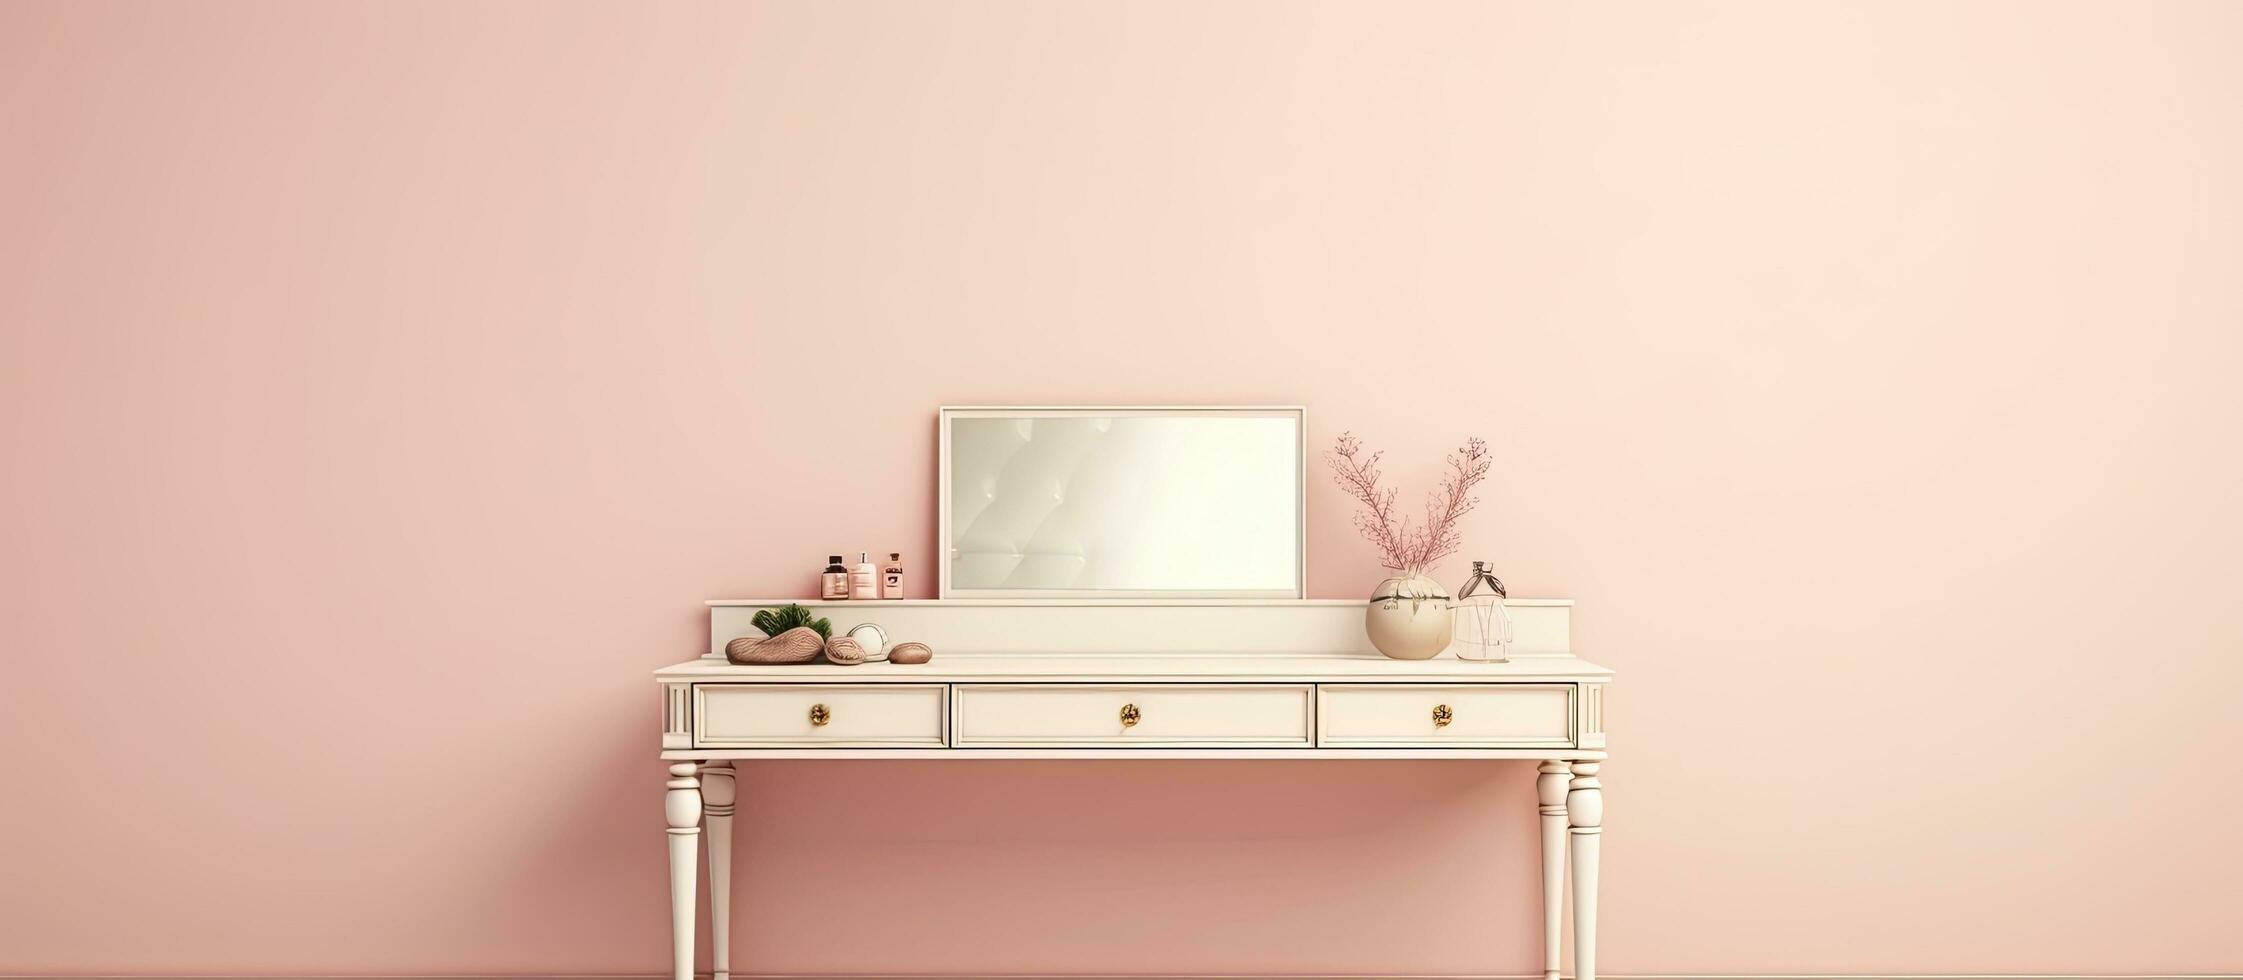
1129	715
1442	716
820	714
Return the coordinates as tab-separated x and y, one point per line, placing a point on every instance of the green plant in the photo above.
776	621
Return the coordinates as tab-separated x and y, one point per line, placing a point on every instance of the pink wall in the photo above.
384	385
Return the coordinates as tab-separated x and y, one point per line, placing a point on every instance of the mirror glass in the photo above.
1122	502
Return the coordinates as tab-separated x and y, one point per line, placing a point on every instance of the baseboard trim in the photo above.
1120	976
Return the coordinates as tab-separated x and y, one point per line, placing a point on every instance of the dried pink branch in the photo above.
1360	478
1443	510
1402	547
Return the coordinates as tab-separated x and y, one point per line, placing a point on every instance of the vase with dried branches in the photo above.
1410	616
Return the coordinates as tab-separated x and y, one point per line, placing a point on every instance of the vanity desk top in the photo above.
1151	667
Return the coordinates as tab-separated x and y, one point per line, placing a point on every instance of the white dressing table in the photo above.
1136	679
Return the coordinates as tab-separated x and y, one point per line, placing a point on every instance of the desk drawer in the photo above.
833	716
1165	715
1477	715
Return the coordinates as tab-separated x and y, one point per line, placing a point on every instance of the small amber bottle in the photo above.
891	576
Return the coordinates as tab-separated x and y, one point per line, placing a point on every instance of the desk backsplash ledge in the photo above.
1297	627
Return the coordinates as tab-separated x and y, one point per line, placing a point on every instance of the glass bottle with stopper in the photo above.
1483	626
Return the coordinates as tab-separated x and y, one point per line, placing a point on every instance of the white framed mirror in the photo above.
1104	502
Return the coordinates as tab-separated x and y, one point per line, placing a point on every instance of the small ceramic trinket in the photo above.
873	639
910	653
843	650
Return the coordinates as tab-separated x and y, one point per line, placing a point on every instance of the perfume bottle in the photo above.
864	581
891	576
835	581
1483	625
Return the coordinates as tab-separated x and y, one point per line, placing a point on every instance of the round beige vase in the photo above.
1409	618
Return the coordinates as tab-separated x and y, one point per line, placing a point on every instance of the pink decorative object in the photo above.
799	645
845	651
1409	617
910	653
1401	547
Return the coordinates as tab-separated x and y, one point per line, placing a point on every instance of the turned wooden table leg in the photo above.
1550	788
717	788
1584	806
681	805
